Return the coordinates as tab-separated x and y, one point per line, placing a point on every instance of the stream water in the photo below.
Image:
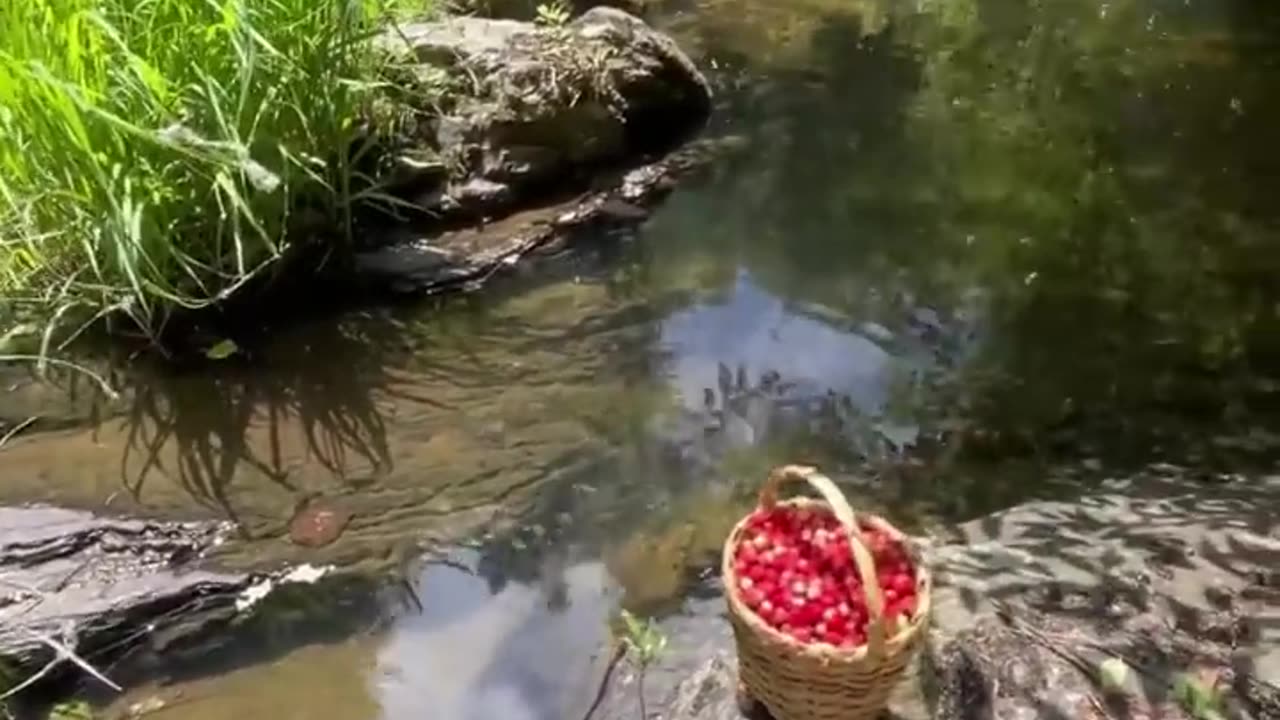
974	252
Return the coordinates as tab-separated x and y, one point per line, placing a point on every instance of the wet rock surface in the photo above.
92	583
1029	603
425	262
318	523
557	130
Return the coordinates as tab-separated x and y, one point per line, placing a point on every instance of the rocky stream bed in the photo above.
1028	605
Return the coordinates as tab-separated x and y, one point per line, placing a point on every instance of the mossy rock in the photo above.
534	105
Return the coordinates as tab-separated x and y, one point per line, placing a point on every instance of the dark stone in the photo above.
1222	598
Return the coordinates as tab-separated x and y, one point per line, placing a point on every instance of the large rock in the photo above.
1028	604
537	104
90	582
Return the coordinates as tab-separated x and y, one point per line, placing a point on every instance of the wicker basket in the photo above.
798	681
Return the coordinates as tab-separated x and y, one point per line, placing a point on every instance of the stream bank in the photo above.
538	132
1029	603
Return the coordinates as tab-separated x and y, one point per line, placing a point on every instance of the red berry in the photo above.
908	606
793	567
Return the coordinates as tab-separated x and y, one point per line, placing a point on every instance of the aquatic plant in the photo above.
154	155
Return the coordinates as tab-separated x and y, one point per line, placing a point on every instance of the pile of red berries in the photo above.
794	569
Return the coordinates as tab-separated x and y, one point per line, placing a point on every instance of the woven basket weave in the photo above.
817	681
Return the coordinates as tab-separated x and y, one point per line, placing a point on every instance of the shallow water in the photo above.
464	653
971	246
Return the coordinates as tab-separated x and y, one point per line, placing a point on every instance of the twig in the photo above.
67	653
100	381
644	712
619	650
17	429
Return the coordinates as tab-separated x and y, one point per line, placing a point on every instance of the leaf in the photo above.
71	710
634	629
222	350
1201	699
1114	674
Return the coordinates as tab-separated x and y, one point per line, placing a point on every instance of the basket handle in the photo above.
862	557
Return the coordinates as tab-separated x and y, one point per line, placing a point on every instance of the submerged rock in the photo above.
540	103
317	523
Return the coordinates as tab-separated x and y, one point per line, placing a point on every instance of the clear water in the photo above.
973	252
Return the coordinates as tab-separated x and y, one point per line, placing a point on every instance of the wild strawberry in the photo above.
794	569
903	583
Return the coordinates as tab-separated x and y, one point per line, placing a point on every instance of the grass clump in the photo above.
153	153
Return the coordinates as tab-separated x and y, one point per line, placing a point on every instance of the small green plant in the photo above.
221	350
553	14
644	643
1113	673
1201	694
71	710
643	639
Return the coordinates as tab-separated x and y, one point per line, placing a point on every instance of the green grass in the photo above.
153	153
